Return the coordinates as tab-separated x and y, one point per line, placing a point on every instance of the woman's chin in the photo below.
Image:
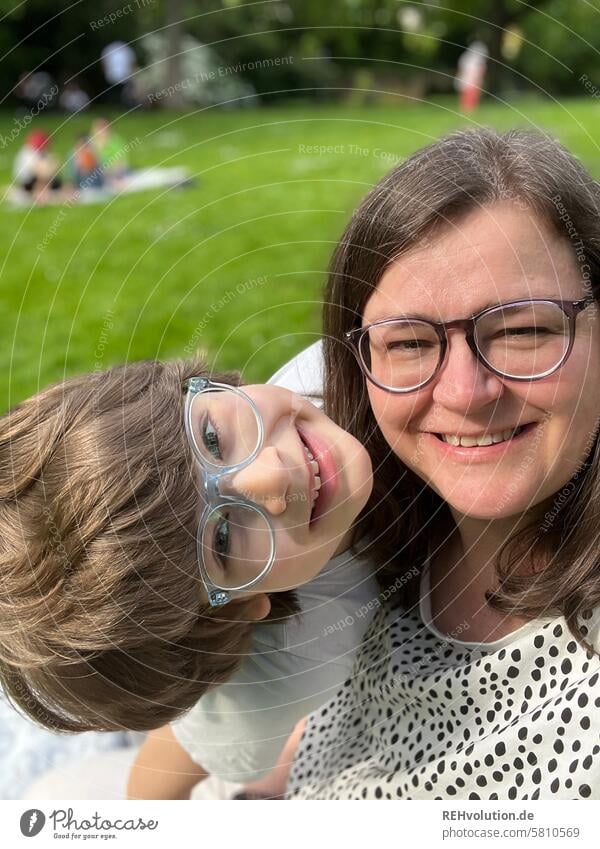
501	504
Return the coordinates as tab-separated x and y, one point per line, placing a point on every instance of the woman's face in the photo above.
310	476
492	255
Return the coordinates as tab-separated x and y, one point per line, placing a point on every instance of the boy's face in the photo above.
312	503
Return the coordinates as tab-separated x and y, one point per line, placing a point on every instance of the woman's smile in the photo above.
482	447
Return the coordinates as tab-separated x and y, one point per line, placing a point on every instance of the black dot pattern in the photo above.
427	718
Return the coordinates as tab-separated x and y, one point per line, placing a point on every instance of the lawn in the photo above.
235	264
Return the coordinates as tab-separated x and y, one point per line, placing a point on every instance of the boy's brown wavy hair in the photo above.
103	621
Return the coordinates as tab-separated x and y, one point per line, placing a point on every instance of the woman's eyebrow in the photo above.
389	315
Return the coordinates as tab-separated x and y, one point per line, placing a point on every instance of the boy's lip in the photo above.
311	474
329	472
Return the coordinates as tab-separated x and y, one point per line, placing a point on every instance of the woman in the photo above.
482	425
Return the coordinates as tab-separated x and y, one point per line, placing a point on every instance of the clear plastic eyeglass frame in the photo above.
211	475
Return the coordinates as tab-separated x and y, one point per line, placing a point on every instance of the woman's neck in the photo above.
461	572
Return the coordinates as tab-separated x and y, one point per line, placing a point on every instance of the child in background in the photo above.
110	149
144	538
35	169
85	167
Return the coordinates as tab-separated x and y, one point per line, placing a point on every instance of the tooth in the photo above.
308	454
450	439
315	466
487	439
315	494
317	482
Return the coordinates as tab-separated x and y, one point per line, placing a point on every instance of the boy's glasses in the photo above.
519	340
235	538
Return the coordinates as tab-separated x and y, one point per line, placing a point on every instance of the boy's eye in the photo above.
221	540
210	438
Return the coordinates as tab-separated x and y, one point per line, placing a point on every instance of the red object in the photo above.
37	139
469	99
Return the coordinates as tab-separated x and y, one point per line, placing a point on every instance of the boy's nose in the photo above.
265	481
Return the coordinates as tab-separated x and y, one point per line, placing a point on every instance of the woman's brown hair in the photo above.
103	621
405	518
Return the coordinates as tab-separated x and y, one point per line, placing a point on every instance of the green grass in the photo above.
235	264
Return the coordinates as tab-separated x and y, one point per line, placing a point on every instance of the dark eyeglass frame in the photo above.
570	308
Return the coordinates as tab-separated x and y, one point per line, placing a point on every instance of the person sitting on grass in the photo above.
36	168
86	171
111	150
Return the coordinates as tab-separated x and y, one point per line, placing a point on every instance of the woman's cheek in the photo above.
394	415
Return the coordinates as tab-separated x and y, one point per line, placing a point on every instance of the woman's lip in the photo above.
328	469
482	452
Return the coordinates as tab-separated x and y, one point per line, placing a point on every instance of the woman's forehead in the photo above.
490	256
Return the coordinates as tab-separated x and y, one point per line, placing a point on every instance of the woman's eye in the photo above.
523	331
210	438
409	345
532	332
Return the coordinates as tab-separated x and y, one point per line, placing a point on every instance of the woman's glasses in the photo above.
520	340
235	538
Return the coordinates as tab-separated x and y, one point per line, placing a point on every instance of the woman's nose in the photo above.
463	383
265	481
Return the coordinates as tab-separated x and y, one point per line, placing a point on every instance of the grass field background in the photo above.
235	264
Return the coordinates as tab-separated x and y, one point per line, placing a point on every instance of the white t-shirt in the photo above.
429	716
238	730
304	374
26	165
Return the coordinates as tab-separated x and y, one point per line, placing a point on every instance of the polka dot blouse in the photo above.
427	716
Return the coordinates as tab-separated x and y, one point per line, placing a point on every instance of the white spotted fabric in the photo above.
426	716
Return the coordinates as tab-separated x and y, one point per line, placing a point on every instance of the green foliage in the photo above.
563	44
326	43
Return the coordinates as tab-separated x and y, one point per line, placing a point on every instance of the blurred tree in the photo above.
563	46
322	46
66	38
174	12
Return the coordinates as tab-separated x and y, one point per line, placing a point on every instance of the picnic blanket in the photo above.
140	180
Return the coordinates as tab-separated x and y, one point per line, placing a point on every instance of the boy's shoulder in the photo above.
336	607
